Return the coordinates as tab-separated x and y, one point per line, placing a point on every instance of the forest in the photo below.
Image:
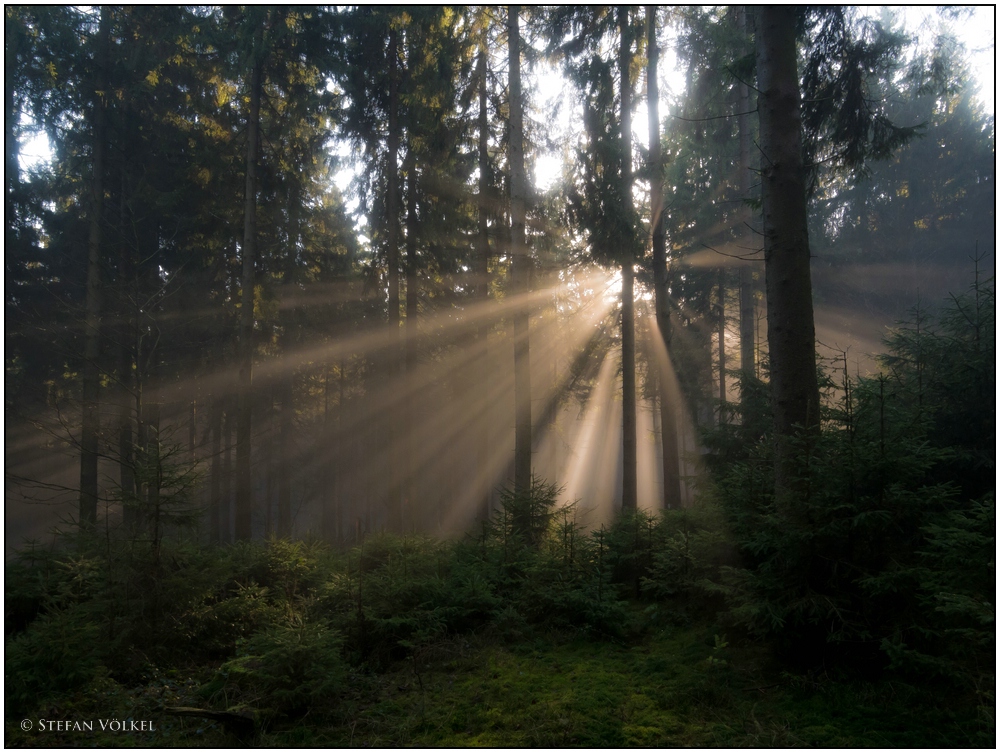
506	376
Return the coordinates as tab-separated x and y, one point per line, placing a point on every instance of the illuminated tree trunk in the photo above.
92	333
747	308
668	425
520	262
392	184
409	402
393	429
629	474
483	272
244	413
790	328
721	321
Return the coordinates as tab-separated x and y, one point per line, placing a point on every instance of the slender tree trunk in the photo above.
392	183
127	325
327	521
668	425
92	335
483	274
394	429
225	506
286	454
520	262
290	337
11	117
215	503
721	321
790	329
747	312
629	473
154	468
244	478
412	292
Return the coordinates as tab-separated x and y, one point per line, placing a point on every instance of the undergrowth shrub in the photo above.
690	548
286	669
59	652
888	556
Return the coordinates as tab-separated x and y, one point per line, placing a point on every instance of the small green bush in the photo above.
59	652
287	669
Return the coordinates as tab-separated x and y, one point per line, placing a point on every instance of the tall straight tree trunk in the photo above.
268	465
290	336
215	477
410	330
482	270
629	472
790	329
520	263
747	309
721	321
285	439
668	425
327	521
11	117
244	414
394	428
91	418
392	183
127	324
226	501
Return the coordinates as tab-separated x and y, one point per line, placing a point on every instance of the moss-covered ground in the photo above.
672	687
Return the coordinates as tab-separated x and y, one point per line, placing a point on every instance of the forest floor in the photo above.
674	686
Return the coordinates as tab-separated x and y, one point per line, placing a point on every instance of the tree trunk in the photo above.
482	269
225	505
410	330
215	503
91	418
629	474
790	328
244	480
154	469
520	263
392	184
747	308
287	457
11	117
327	520
721	321
126	330
668	425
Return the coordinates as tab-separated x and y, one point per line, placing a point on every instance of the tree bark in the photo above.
747	308
244	414
721	321
225	503
790	328
90	426
520	262
394	429
215	478
629	473
668	425
483	274
410	335
392	183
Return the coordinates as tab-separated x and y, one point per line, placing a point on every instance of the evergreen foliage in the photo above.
887	559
